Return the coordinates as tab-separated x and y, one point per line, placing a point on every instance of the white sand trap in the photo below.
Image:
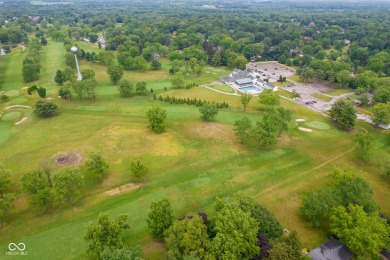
123	188
300	120
17	106
21	120
48	98
305	129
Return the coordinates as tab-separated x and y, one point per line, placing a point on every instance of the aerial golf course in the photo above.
191	163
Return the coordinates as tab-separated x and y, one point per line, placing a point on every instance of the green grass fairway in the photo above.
322	97
191	163
18	101
339	92
11	69
223	88
52	58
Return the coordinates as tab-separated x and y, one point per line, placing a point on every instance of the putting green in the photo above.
11	116
318	125
92	108
12	93
18	101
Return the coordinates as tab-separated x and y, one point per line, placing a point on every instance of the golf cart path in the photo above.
231	94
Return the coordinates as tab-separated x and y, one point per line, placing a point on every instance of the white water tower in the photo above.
75	50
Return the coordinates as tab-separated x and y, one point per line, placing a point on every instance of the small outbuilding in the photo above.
331	250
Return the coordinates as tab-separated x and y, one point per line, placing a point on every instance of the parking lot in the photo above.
307	98
270	70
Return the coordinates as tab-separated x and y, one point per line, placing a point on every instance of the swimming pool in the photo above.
250	89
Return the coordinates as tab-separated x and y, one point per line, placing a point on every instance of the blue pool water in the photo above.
250	89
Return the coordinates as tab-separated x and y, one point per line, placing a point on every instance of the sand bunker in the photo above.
68	159
123	188
17	106
300	120
305	129
21	120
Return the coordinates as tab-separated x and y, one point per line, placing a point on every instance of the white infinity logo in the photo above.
13	246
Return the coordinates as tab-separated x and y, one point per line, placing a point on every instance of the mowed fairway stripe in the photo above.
300	175
53	57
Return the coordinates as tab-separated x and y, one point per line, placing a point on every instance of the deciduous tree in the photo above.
155	65
243	129
105	235
177	81
269	98
364	147
286	247
230	224
343	113
381	113
185	237
96	165
67	185
245	99
208	111
364	234
156	116
115	72
125	88
160	217
37	188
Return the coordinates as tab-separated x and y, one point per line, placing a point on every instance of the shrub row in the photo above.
193	101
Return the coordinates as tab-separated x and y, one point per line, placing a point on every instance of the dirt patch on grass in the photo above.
165	145
68	159
211	130
123	188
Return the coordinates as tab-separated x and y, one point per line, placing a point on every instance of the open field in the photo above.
191	163
338	92
322	97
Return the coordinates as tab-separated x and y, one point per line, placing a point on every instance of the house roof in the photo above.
243	81
331	250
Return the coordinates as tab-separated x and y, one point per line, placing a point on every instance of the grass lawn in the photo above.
339	92
295	78
191	163
322	97
285	93
11	69
223	88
